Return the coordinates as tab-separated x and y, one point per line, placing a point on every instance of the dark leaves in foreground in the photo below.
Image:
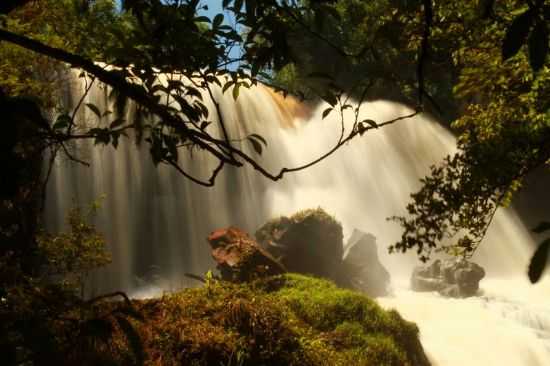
528	27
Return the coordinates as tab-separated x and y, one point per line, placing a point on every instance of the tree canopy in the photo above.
481	65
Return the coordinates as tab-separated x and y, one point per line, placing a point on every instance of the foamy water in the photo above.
506	325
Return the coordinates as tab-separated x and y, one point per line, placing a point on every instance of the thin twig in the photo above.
211	181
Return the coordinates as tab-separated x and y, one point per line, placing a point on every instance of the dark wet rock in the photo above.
310	242
363	268
452	278
239	258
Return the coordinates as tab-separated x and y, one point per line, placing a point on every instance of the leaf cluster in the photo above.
503	131
43	314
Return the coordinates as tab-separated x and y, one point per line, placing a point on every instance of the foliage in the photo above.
71	256
38	305
94	30
381	41
317	215
484	67
282	320
148	39
504	132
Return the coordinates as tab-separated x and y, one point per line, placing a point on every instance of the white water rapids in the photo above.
156	221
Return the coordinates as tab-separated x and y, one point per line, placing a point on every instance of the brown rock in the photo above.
239	258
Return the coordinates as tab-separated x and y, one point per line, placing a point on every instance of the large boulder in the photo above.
310	242
239	258
363	269
452	278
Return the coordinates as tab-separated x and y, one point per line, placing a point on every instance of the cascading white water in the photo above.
156	221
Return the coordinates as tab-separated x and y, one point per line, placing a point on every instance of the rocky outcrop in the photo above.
452	278
309	242
363	268
239	258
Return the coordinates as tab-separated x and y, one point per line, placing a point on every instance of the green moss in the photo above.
284	320
266	232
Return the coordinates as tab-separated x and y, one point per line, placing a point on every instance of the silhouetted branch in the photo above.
221	149
209	183
109	296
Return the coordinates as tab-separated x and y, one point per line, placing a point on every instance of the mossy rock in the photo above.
288	319
310	242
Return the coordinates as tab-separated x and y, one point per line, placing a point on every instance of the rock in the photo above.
362	266
452	278
239	258
428	278
309	242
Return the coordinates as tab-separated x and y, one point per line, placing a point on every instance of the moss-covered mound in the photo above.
274	228
284	320
309	242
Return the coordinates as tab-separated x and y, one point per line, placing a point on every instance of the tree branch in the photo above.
209	183
132	91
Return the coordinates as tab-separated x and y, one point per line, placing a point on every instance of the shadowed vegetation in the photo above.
283	320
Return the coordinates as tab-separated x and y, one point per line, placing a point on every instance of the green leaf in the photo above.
361	128
258	137
62	121
193	92
538	261
326	112
256	145
541	227
94	109
238	5
330	99
538	46
371	123
517	34
117	122
236	91
202	19
115	137
218	20
227	86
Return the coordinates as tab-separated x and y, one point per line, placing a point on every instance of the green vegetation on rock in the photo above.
283	320
268	230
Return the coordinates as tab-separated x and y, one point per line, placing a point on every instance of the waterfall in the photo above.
156	221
